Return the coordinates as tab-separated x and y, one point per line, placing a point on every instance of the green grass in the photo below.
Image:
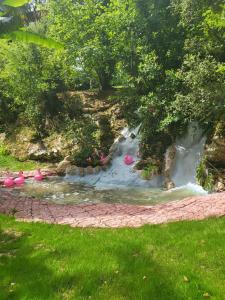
184	260
11	163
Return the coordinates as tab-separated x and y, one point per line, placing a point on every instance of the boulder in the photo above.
63	165
40	152
220	186
81	171
89	170
72	170
2	137
168	166
215	151
96	170
169	185
37	151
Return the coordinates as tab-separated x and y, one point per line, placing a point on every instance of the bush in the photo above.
205	176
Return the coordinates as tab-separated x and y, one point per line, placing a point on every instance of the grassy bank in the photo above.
179	261
10	163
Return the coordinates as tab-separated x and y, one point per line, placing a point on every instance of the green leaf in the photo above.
15	3
30	37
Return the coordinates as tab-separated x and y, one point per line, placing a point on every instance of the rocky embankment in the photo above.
22	141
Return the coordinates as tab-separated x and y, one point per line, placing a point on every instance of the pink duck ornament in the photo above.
128	159
8	182
38	176
20	179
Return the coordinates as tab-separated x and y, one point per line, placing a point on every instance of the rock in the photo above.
113	148
132	135
37	152
89	170
121	138
104	168
219	187
169	185
168	166
81	172
63	165
215	152
2	137
72	170
96	170
40	152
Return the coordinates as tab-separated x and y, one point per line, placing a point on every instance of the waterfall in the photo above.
188	154
120	174
189	150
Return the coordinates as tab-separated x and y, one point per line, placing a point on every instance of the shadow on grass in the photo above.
24	272
34	271
138	276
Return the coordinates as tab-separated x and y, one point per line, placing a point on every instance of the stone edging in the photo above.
111	215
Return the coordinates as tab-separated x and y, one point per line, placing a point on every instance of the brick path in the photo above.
112	215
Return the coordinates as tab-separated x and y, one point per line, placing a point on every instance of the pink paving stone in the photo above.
112	215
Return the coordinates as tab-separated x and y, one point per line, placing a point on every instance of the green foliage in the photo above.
7	162
84	132
3	150
149	171
168	55
205	177
34	83
203	96
15	3
12	25
31	37
129	102
106	136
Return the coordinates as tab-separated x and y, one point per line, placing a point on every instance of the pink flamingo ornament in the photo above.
20	179
8	182
38	176
128	159
102	158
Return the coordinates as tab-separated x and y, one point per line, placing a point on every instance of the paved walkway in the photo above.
112	215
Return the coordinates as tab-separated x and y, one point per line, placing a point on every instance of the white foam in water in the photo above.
192	187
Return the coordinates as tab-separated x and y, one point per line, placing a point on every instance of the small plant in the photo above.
205	176
149	172
3	150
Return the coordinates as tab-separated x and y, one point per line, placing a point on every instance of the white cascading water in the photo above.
189	150
120	174
188	153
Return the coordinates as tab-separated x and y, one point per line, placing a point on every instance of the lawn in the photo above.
12	164
184	260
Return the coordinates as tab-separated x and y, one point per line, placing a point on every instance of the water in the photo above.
189	150
120	183
58	190
119	174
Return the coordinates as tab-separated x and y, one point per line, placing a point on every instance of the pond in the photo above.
122	183
61	191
